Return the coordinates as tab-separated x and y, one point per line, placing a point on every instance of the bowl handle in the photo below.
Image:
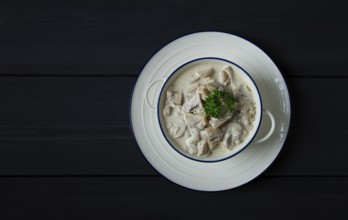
151	87
271	130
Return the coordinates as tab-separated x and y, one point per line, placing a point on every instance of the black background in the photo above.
67	70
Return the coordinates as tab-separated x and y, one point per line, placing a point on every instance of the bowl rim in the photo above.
159	111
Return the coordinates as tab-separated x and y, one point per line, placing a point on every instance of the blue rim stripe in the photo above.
158	110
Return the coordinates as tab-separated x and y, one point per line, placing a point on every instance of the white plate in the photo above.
239	169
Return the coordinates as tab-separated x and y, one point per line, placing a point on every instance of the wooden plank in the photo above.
318	129
157	198
117	38
80	126
69	125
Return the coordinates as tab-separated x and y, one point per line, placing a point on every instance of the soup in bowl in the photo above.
210	109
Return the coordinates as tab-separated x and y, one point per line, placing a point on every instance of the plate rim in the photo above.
218	33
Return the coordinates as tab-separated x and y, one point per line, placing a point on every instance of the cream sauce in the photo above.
186	79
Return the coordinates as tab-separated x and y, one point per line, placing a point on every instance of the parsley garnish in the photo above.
218	103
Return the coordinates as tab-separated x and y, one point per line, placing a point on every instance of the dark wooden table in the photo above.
66	75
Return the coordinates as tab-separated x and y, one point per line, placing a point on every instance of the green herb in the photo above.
218	103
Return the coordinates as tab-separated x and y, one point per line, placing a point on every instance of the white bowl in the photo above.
221	153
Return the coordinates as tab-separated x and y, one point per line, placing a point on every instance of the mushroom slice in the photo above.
213	136
167	110
215	85
194	134
228	72
215	123
203	148
177	128
224	77
203	91
209	79
210	88
232	135
177	110
194	105
196	121
174	97
205	73
191	146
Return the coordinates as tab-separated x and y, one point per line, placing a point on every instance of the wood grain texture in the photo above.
67	70
118	37
81	126
157	198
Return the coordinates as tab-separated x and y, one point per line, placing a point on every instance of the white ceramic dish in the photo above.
186	70
236	170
